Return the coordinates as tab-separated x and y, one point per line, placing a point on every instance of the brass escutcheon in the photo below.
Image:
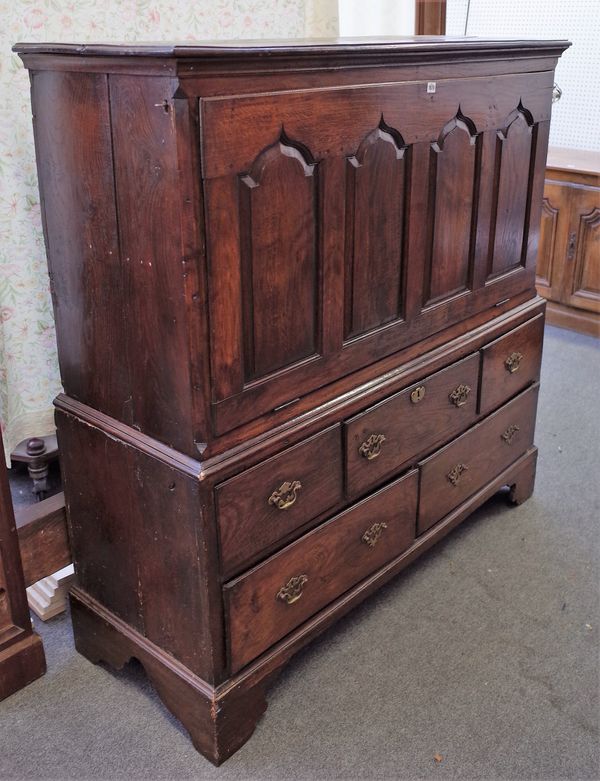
372	535
513	362
285	495
371	447
509	434
459	395
454	474
418	394
292	591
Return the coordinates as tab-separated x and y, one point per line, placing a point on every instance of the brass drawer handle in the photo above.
285	495
372	535
455	474
459	395
371	447
513	362
418	394
292	591
509	434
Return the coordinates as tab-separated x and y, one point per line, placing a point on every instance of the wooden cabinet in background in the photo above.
568	269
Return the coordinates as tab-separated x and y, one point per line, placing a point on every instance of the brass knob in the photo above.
292	591
285	495
509	434
455	474
373	533
513	362
459	395
371	447
418	394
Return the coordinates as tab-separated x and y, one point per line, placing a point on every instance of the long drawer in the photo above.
275	597
454	473
403	427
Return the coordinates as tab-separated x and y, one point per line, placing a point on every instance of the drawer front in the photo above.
511	363
267	503
467	464
267	603
407	425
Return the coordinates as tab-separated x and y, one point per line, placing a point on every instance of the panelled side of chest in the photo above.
124	254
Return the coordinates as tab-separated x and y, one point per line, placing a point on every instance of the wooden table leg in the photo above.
22	657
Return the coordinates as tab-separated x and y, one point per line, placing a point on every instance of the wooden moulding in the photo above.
220	719
344	398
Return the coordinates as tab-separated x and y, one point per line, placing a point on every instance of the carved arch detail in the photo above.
461	122
283	146
382	132
519	113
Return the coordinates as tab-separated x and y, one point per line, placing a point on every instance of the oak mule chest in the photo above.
297	328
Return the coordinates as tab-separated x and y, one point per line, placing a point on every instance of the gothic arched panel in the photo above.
280	280
375	206
512	178
452	210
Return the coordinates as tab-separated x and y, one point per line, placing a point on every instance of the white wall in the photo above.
376	17
576	117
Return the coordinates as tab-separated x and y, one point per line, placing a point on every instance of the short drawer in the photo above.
510	364
265	504
409	424
275	597
464	466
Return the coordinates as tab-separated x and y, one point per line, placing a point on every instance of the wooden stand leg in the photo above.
219	720
22	657
524	480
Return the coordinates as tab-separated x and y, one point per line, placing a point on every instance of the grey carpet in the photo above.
484	652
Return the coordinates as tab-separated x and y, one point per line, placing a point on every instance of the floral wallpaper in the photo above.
29	377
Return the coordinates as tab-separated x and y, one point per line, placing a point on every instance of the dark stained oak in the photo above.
467	464
455	169
510	363
377	179
280	259
276	596
284	277
412	422
515	145
254	512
